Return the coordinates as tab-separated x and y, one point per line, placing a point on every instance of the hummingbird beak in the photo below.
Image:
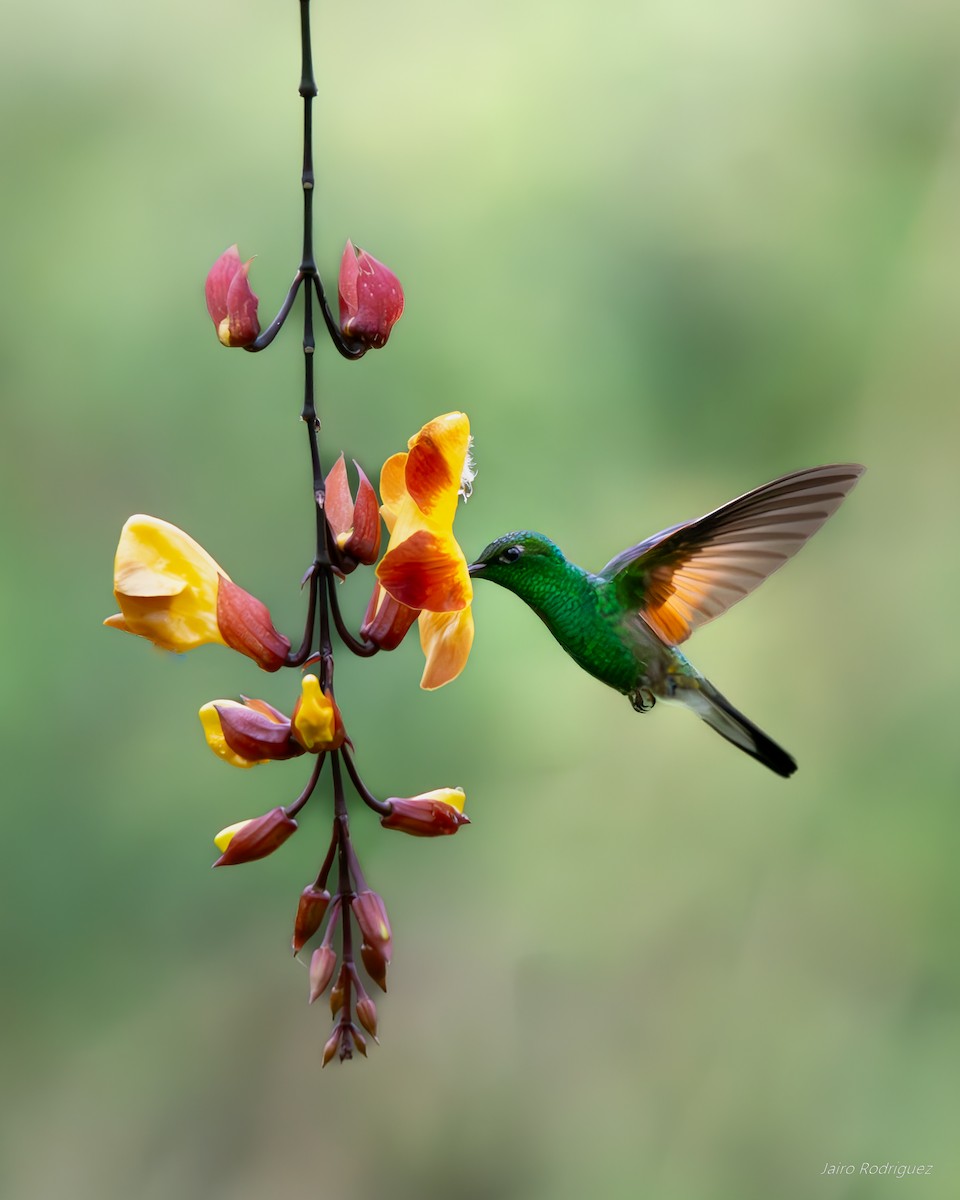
476	568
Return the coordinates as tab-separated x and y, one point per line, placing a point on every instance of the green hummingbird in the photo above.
624	624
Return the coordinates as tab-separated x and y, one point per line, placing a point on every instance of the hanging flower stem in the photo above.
197	602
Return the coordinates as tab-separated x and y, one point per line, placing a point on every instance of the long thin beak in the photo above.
476	568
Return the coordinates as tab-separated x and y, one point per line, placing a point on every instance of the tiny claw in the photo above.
643	700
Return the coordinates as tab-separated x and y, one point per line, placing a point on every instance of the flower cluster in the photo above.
176	595
173	593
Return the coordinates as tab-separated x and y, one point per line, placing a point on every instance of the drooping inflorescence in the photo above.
174	594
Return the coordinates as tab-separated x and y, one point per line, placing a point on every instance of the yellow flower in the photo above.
317	724
172	593
424	568
166	585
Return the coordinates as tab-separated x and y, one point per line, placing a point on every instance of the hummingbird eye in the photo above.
511	554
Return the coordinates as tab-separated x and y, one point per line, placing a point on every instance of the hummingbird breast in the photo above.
588	622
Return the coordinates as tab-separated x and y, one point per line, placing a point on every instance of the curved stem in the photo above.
363	649
321	880
268	334
294	808
347	346
300	657
383	807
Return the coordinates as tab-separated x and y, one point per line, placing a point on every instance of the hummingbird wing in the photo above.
685	576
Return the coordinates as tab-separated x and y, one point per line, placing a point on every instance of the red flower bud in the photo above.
387	620
375	964
339	991
371	298
371	915
255	736
245	625
310	913
322	962
355	525
429	815
249	840
332	1045
367	1014
230	301
358	1040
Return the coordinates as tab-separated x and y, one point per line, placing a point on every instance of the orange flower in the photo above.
424	568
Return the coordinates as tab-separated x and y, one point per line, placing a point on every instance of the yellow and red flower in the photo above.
248	733
246	841
172	593
424	571
431	814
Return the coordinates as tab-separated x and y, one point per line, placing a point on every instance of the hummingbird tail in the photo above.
719	714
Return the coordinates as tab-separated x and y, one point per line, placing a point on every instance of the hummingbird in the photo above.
624	624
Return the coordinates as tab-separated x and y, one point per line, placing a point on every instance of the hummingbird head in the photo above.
523	562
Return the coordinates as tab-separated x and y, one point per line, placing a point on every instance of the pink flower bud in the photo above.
322	962
371	298
358	1039
367	1014
355	525
230	300
371	915
332	1045
249	840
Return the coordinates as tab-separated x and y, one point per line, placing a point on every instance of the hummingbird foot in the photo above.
642	699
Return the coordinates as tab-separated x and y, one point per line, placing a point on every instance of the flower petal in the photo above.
242	304
338	503
427	570
393	488
435	464
166	585
317	724
446	639
216	740
218	282
363	543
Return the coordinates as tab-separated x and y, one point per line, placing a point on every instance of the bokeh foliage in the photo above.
659	253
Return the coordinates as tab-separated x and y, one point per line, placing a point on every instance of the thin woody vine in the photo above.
172	592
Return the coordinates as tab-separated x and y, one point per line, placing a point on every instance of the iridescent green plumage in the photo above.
623	624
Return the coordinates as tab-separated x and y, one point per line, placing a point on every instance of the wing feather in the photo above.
685	576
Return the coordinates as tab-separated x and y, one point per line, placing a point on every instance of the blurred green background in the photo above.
660	253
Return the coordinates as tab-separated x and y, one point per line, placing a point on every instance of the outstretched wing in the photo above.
688	574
